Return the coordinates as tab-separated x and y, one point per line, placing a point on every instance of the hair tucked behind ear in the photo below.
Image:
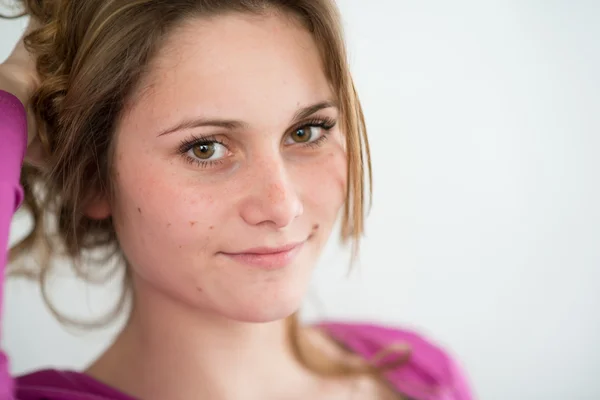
90	55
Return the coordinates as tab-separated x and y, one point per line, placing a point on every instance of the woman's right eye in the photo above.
207	151
203	151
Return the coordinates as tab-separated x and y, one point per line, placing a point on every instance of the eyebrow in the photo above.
231	124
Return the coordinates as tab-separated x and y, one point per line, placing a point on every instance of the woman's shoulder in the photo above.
53	384
429	372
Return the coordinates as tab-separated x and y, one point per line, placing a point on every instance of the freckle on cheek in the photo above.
211	227
139	210
169	225
192	223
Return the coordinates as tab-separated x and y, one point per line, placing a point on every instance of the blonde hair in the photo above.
90	55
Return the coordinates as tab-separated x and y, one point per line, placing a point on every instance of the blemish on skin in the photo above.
180	246
139	210
315	227
169	225
199	289
211	227
192	223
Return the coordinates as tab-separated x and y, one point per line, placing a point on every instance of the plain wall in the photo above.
484	120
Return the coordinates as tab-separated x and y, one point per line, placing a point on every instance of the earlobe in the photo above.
98	208
35	155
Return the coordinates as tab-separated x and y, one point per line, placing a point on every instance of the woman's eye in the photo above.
306	134
207	151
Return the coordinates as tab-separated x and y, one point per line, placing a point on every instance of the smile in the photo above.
268	258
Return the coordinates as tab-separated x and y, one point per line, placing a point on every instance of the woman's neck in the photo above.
170	351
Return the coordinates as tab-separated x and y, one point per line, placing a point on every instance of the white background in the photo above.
485	230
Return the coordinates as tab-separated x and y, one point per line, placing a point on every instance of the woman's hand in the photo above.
18	76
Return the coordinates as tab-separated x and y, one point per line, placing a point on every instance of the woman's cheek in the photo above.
184	214
324	180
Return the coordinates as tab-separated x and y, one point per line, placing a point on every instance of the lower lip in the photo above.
271	261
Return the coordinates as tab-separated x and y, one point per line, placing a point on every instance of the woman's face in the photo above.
230	167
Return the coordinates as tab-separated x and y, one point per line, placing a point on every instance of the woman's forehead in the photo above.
233	63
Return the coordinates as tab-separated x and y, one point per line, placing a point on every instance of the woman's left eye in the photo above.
309	133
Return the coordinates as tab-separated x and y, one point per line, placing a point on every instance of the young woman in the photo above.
211	145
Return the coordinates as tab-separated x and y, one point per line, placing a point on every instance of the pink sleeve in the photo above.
460	384
13	143
430	372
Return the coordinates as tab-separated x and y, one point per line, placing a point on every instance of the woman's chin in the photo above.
263	311
262	317
271	299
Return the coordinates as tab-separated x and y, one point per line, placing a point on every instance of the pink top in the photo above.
430	373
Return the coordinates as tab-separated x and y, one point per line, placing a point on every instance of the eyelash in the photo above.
186	145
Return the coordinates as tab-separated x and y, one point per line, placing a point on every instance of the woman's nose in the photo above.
272	198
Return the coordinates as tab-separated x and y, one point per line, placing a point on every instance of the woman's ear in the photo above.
98	208
35	154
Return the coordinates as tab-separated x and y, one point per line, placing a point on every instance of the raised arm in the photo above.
17	80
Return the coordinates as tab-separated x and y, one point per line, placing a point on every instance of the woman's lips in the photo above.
268	258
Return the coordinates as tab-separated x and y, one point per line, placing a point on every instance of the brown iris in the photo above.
204	150
302	135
